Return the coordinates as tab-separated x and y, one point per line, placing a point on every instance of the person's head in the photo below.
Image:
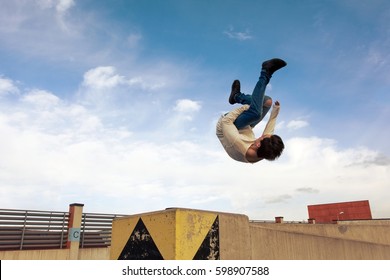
271	147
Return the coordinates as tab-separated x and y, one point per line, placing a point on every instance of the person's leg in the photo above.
244	99
267	104
255	111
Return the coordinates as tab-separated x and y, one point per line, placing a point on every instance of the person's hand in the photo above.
277	103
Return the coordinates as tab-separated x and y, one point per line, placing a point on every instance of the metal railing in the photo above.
273	222
34	230
96	230
28	229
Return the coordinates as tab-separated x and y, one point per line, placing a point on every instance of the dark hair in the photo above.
271	148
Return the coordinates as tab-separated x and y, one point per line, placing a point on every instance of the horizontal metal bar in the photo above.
38	221
96	224
45	233
31	242
34	214
95	234
95	215
95	229
96	237
14	235
42	237
32	227
103	223
10	238
96	246
11	231
17	224
35	232
40	231
41	242
42	247
7	242
98	218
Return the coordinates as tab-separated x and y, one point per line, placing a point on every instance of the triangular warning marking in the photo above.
140	245
121	230
209	249
191	229
162	227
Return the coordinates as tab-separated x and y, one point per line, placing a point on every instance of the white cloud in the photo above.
140	96
131	99
307	190
185	111
61	6
41	98
57	152
297	124
45	29
187	106
102	77
64	5
106	77
74	156
241	36
7	86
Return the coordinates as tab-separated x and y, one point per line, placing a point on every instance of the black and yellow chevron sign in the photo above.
177	234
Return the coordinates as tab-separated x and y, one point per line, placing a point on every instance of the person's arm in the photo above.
233	115
228	130
270	126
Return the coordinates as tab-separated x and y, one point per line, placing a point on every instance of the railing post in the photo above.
74	224
62	231
24	230
83	222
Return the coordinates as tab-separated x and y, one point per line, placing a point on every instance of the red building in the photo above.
328	213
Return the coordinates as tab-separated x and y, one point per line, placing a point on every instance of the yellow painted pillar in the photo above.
180	234
74	230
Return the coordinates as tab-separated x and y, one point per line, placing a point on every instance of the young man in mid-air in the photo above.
234	129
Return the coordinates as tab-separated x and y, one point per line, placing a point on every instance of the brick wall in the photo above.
327	213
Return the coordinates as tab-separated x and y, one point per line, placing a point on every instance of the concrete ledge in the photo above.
189	234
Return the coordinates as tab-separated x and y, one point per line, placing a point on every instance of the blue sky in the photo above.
114	104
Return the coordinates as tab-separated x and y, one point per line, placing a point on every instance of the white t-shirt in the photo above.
237	142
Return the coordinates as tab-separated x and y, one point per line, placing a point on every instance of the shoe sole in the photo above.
235	89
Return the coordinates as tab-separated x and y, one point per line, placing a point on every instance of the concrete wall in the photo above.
187	234
60	254
378	234
235	238
239	239
319	242
94	254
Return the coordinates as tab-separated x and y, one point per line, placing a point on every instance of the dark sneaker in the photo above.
236	88
273	65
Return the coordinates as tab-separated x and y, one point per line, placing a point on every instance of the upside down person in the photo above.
234	129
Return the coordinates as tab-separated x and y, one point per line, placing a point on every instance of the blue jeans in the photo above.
257	110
